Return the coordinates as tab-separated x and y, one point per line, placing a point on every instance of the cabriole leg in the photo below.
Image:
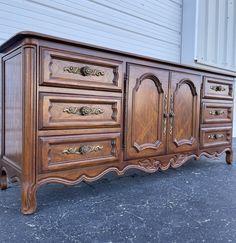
28	199
229	156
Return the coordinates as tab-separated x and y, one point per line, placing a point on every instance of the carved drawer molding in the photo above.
70	111
67	69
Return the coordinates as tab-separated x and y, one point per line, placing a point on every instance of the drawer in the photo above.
216	112
59	111
67	69
217	88
67	152
211	137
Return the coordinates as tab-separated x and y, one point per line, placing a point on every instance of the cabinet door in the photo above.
184	112
146	102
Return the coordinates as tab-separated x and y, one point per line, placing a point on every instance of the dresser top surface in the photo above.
35	35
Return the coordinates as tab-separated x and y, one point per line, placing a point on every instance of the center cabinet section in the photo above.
162	111
147	91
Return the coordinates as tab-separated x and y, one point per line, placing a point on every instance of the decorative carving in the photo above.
180	159
149	76
216	136
189	83
82	150
217	88
84	71
83	111
216	112
184	141
150	164
147	145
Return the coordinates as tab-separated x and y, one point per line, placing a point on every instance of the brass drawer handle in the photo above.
84	71
165	114
216	136
217	88
83	111
171	114
216	112
83	149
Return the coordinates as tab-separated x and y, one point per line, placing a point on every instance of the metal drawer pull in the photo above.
84	71
171	114
216	136
83	149
83	111
217	88
216	112
165	114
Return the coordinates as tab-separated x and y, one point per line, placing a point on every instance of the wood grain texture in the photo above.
123	112
13	93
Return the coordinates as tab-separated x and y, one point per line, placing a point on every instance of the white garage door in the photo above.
147	27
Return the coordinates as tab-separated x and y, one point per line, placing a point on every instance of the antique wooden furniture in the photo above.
74	112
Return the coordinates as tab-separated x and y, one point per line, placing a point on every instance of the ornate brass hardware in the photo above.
84	71
171	114
216	112
217	88
83	111
165	114
83	149
216	136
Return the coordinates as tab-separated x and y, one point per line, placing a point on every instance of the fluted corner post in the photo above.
28	178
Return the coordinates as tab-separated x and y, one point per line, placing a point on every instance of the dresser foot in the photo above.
229	156
28	199
3	180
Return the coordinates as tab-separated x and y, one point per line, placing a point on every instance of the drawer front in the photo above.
217	88
211	137
68	152
61	68
66	111
216	112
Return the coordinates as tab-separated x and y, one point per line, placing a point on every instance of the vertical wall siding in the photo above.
216	39
147	27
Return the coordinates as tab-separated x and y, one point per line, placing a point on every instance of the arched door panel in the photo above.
184	112
146	100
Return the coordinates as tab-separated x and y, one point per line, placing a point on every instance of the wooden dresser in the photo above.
73	112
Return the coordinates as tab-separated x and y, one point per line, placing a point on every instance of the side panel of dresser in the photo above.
11	116
18	122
